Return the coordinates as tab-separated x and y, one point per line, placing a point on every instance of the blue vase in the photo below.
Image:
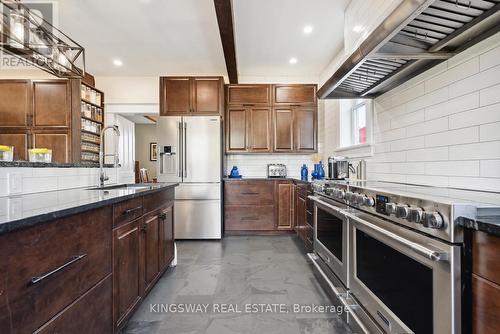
314	174
304	172
321	171
234	172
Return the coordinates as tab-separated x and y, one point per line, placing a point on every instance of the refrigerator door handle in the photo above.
179	139
184	150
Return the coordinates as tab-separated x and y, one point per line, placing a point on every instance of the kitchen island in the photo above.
82	260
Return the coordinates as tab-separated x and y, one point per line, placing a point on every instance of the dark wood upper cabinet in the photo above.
259	129
249	95
236	130
208	94
18	139
248	129
175	96
295	95
58	142
51	103
295	129
191	96
283	129
15	103
305	135
271	118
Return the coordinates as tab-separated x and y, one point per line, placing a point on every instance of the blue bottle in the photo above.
321	171
303	172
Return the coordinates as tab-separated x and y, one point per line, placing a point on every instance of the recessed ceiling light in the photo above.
117	62
293	61
308	29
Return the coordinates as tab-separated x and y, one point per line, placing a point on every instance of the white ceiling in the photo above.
151	37
181	37
270	32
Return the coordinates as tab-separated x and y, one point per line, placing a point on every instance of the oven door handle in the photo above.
417	248
328	205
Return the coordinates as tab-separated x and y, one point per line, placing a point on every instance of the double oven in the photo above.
392	278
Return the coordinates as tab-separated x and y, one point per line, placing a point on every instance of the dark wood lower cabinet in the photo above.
260	206
126	274
88	272
91	313
150	237
485	283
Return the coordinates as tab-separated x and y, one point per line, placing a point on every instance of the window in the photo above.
355	122
358	123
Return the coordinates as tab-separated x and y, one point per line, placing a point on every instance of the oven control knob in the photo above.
402	211
340	194
369	201
360	199
434	220
390	208
416	215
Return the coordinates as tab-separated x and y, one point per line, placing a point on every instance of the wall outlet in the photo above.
15	183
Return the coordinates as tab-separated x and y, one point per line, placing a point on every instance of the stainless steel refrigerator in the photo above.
189	152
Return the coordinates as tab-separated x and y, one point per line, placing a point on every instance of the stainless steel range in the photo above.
391	253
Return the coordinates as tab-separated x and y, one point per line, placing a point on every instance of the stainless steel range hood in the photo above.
416	36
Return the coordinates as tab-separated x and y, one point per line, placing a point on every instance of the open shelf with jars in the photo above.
92	122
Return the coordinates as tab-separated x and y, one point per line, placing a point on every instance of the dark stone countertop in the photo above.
19	212
490	225
227	179
51	164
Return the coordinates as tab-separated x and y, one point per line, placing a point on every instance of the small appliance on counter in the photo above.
338	168
276	170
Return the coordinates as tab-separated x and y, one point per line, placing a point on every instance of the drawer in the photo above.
127	211
249	218
249	193
91	313
47	267
486	256
485	306
158	200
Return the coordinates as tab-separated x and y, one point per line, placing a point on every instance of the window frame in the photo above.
348	122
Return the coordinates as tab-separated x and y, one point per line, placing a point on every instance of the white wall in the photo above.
442	128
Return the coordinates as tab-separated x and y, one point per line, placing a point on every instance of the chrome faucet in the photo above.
102	174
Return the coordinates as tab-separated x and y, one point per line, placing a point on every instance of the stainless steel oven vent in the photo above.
417	35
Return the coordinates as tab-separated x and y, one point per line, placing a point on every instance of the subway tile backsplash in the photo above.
256	165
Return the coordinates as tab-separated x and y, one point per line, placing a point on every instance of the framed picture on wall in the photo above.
153	154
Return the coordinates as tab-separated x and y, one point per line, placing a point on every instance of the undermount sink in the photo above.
122	186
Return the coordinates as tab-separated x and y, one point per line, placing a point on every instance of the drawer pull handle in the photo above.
249	193
74	259
128	211
249	218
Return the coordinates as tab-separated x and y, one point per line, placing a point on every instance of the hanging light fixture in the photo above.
26	35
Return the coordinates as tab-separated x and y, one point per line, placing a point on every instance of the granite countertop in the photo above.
225	179
490	225
51	164
18	212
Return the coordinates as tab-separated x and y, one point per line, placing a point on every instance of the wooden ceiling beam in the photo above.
224	11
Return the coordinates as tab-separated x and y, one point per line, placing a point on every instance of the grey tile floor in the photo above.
237	271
